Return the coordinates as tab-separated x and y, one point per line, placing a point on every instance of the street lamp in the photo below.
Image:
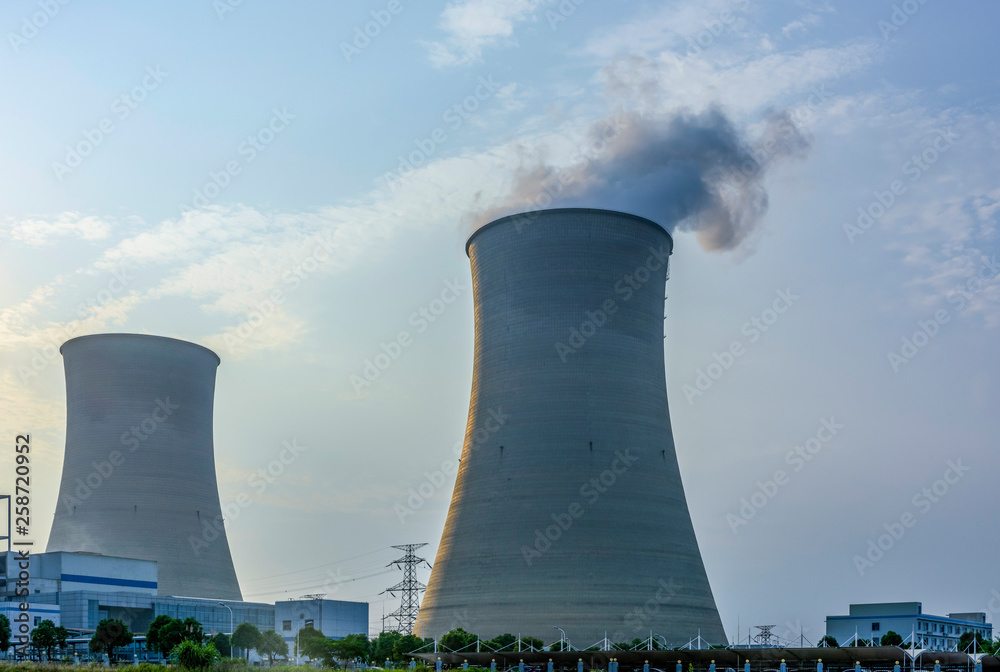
564	638
417	619
230	627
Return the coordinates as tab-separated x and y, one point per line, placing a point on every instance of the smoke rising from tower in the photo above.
687	171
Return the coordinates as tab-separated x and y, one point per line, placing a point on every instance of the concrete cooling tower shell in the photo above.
139	471
568	507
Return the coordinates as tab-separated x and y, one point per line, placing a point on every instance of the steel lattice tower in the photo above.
409	587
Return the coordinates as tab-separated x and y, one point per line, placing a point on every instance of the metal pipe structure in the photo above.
568	505
138	476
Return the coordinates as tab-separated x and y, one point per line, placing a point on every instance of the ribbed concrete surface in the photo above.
629	562
163	491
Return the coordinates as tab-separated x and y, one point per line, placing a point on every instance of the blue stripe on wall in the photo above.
132	583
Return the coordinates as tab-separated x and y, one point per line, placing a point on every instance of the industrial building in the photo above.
568	508
138	530
78	590
334	618
138	475
872	621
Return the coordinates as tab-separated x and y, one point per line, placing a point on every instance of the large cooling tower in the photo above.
139	472
568	507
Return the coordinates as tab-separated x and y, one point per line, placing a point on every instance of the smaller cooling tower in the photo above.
139	472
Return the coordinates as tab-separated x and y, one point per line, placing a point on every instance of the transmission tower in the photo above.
765	637
409	588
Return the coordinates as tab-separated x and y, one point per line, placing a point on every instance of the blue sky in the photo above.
304	141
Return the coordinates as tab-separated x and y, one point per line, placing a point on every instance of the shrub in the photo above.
231	665
193	656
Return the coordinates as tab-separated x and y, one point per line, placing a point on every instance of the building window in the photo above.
38	619
286	626
309	622
875	627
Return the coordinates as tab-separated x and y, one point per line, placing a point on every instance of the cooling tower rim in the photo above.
176	341
527	213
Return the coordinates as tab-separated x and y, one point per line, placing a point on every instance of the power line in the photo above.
320	584
327	564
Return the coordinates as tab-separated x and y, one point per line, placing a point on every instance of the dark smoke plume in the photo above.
693	172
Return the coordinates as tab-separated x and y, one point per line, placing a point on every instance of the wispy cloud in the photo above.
474	25
38	231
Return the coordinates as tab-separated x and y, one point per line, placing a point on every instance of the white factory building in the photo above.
77	590
939	633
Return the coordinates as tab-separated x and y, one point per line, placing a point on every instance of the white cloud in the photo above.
802	24
38	231
473	25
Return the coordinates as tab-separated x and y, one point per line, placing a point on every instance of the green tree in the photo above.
247	637
965	643
222	644
383	647
195	656
5	633
192	631
272	644
830	641
153	634
313	643
457	639
891	638
559	645
504	642
533	642
408	643
110	634
44	636
62	634
165	633
351	647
